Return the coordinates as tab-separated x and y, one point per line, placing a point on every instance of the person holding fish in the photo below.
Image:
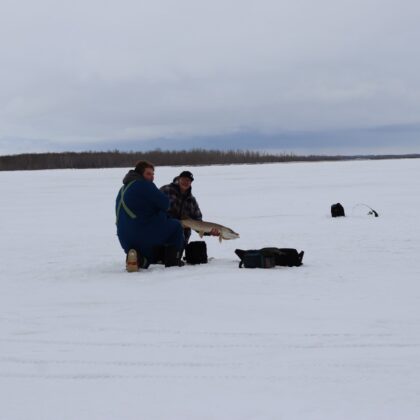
183	205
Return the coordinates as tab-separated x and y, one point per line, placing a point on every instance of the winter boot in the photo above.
131	263
172	257
135	261
159	254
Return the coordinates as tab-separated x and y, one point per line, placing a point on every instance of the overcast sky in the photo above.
86	72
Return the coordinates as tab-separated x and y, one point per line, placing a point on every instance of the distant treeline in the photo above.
117	159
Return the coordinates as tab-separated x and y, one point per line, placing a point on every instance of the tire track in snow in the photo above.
215	346
250	333
118	363
107	376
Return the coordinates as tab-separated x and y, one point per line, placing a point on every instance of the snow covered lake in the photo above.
338	338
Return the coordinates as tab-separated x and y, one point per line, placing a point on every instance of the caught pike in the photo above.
202	227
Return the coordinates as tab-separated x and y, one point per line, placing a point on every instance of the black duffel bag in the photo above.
256	259
269	257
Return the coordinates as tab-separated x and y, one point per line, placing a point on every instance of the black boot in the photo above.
159	254
172	257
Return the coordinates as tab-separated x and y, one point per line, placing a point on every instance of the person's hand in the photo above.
215	232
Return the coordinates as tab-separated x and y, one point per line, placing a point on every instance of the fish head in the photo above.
227	233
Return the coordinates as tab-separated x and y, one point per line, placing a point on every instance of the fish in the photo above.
202	227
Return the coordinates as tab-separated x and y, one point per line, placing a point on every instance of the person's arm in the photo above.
195	210
173	210
117	204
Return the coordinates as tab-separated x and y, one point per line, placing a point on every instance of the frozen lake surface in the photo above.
338	338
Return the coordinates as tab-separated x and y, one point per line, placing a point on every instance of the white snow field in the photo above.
338	338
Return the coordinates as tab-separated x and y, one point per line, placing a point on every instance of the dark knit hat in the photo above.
186	174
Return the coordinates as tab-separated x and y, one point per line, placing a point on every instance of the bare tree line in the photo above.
116	159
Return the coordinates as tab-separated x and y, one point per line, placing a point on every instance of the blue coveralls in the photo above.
142	220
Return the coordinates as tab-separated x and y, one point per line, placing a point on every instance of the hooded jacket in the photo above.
146	223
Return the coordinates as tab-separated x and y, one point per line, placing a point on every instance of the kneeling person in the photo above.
142	219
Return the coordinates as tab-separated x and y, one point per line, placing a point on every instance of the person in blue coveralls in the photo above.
142	220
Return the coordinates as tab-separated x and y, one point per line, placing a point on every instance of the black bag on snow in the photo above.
337	210
256	259
196	253
269	257
286	257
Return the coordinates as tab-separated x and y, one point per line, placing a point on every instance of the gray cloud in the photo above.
78	73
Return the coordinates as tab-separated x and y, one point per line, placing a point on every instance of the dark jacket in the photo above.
182	206
151	225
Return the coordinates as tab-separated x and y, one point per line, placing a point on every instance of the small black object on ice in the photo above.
196	253
337	210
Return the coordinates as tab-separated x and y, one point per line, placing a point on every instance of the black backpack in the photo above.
269	257
337	210
196	253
